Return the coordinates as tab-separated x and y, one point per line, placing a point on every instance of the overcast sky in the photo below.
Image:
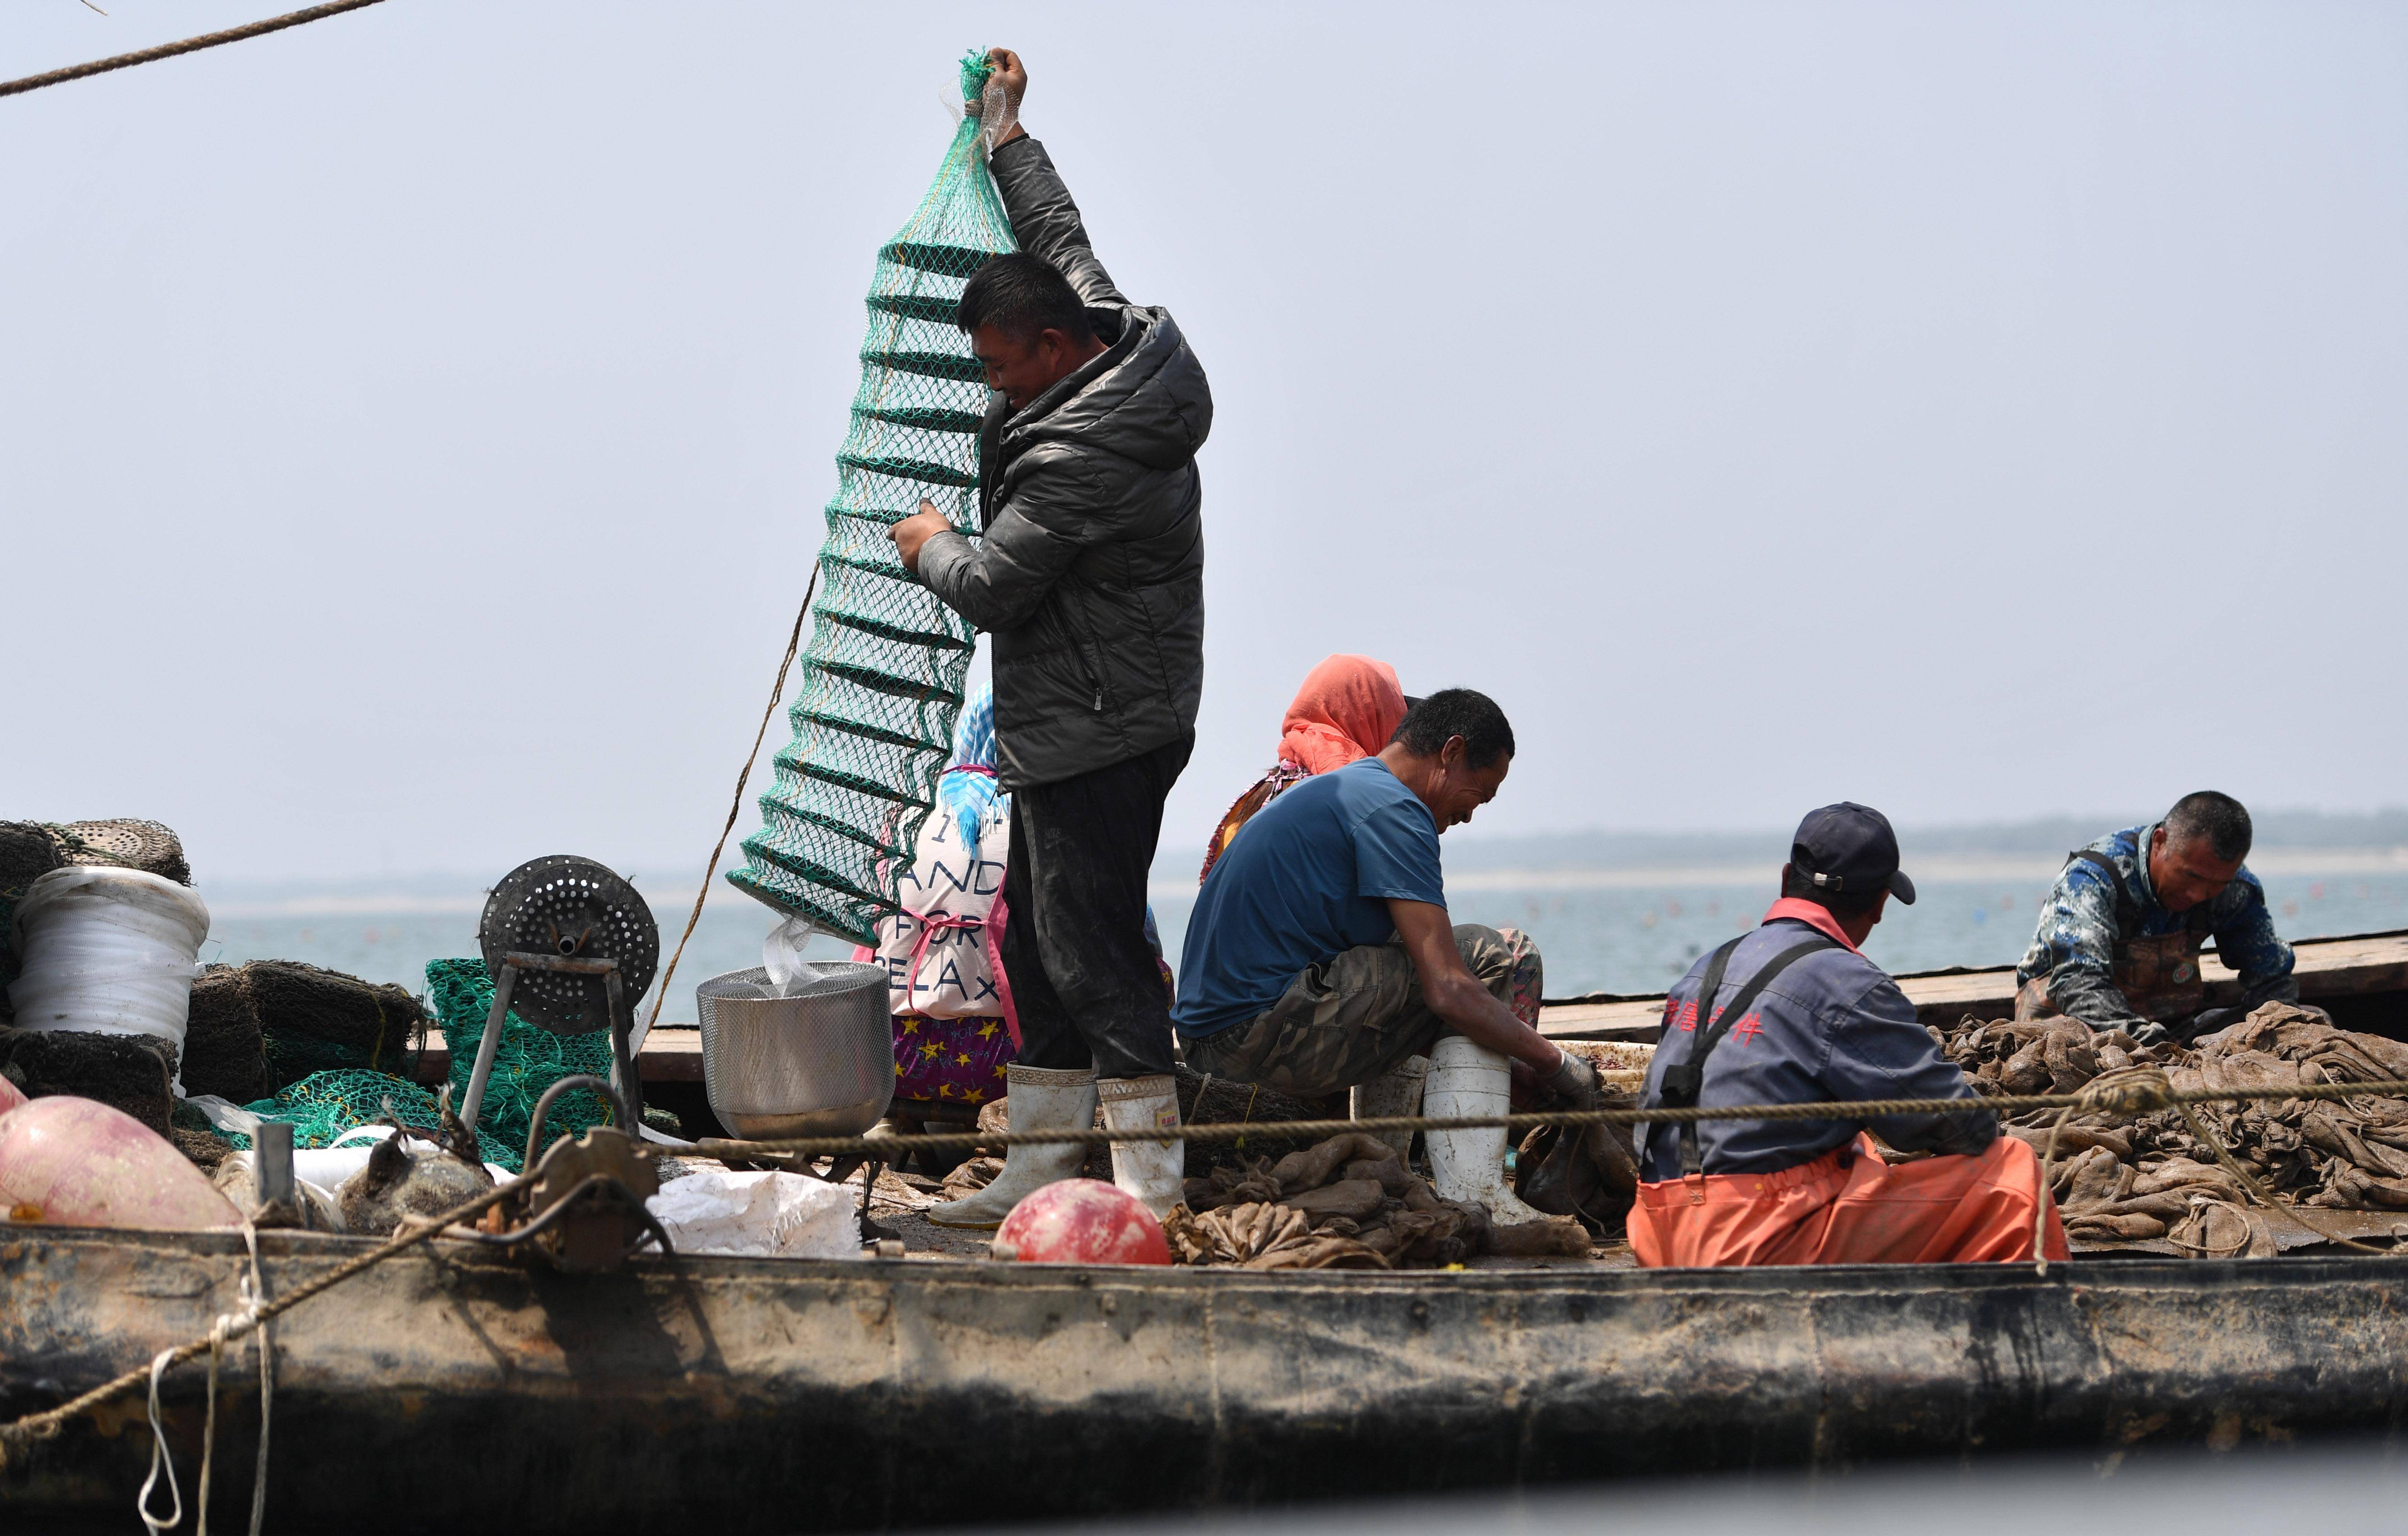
414	426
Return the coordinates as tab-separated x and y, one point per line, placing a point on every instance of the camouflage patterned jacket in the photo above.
2074	946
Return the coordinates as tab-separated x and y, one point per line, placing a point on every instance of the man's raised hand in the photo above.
999	102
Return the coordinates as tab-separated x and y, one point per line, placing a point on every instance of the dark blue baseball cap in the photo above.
1848	850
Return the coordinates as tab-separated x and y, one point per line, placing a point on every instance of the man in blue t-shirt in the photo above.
1319	955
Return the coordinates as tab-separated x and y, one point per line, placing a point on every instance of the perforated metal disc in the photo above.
569	906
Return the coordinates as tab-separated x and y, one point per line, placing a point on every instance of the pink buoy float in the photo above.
76	1162
1081	1221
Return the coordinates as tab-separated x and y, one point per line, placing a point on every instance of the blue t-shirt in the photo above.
1307	879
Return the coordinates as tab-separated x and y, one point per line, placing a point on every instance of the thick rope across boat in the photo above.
2134	1097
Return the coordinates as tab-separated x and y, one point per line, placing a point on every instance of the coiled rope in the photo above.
2139	1094
189	45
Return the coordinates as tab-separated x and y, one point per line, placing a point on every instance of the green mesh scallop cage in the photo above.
882	674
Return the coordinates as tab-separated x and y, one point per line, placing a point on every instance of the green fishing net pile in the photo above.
882	671
528	1060
323	1105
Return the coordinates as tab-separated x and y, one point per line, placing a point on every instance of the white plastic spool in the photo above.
108	951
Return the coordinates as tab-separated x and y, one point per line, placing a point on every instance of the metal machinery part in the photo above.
570	908
593	1188
570	946
582	1206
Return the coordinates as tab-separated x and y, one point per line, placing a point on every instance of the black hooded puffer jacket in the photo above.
1090	577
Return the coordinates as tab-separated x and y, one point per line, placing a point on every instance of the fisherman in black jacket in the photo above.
1091	577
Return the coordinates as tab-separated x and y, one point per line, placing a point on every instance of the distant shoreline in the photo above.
252	903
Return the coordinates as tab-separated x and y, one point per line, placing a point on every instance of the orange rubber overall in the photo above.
1848	1207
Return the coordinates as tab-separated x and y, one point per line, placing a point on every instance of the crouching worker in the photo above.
1794	1014
2119	941
1319	957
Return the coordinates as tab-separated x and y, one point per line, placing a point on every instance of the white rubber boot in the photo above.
1041	1098
1467	1079
1391	1093
1153	1171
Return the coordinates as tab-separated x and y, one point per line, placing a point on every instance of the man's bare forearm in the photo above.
1475	1012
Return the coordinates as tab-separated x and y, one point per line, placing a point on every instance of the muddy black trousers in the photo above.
1084	979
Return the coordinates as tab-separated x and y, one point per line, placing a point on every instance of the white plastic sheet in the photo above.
758	1216
781	956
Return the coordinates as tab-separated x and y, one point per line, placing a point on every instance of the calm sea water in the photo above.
1625	939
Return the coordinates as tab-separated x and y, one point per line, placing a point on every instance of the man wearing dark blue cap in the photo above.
1794	1014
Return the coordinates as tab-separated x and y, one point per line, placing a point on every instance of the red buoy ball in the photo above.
1081	1221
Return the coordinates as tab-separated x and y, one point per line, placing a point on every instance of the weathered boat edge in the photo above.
446	1386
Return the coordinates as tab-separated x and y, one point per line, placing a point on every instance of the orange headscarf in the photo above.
1347	709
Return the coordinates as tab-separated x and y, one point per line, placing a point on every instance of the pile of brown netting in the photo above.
2124	1177
1346	1203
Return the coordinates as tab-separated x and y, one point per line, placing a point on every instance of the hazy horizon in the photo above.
2290	840
417	422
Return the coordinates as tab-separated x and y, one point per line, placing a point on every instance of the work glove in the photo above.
2148	1032
1574	1083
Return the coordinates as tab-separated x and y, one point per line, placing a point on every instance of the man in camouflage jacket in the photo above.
2118	943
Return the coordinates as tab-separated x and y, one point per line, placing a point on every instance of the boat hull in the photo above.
447	1386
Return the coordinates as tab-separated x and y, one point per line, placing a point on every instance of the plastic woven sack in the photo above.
528	1060
881	673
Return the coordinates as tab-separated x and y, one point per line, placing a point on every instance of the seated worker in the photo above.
1345	711
1794	1014
955	1030
2118	943
1319	955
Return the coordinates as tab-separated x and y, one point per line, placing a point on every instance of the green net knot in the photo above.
975	70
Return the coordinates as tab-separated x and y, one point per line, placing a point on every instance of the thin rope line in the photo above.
189	45
736	807
160	1457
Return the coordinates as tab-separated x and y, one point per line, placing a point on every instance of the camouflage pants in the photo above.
1358	1014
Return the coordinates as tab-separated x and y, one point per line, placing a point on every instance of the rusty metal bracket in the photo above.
582	1203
